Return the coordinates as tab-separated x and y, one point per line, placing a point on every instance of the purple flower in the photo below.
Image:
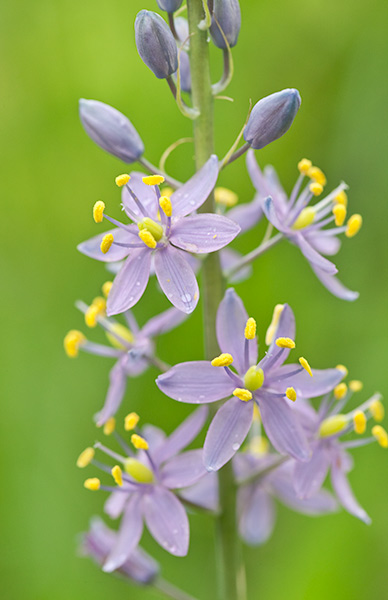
267	384
167	240
144	483
132	347
303	224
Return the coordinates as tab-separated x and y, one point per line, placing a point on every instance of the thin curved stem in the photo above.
248	258
169	590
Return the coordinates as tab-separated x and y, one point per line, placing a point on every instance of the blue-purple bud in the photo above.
271	117
110	130
155	44
169	6
228	15
182	29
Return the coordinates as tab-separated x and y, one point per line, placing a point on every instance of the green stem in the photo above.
168	590
228	546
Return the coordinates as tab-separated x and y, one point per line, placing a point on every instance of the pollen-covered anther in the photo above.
153	179
97	308
317	175
340	391
122	179
333	425
304	166
147	238
341	198
250	329
339	212
92	484
167	191
355	385
73	340
291	393
316	188
242	394
225	197
131	421
381	435
285	342
109	426
343	369
98	211
117	475
85	458
165	205
303	362
223	360
106	288
274	323
139	442
152	226
377	410
353	226
359	422
106	243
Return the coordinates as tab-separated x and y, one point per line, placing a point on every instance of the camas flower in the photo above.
304	224
268	384
167	240
132	347
144	485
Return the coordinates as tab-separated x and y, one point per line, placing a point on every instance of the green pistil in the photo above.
253	378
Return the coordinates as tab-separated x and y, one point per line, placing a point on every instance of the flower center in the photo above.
138	471
305	218
254	378
122	332
152	227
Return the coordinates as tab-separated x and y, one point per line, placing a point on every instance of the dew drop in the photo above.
186	298
235	447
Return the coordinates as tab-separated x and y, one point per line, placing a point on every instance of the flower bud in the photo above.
169	6
110	130
271	117
155	44
182	29
228	15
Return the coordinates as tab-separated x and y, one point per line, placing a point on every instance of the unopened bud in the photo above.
169	6
155	44
110	130
271	117
228	15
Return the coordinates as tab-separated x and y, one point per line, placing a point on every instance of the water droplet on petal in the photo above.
236	447
186	298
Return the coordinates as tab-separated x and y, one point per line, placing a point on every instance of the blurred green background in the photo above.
52	54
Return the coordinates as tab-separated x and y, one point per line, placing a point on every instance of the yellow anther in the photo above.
285	342
291	394
92	484
153	179
339	212
165	205
225	197
359	422
304	166
316	188
355	385
138	471
254	378
139	442
242	394
223	360
91	316
341	198
131	421
100	303
109	426
150	225
167	191
117	475
106	288
353	225
123	332
73	340
106	243
147	238
85	458
343	369
381	435
122	179
305	218
250	329
98	211
340	391
256	413
274	323
303	362
377	410
259	445
333	425
317	175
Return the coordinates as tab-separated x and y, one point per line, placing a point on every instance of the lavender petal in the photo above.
247	215
163	323
183	470
176	278
167	521
184	434
335	286
204	493
115	504
192	194
230	258
92	249
204	233
285	328
116	391
322	381
314	258
309	476
130	283
345	494
129	535
257	514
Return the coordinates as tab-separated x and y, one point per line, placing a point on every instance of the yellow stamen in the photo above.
117	475
225	197
303	362
339	212
355	385
341	198
340	391
122	332
147	238
242	394
92	484
139	442
333	425
122	179
291	394
254	378
165	205
109	426
85	458
304	166
73	340
377	410
250	329
317	175
138	471
353	226
381	435
343	369
359	422
106	288
153	179
167	191
150	225
98	211
305	218
259	445
106	243
223	360
94	310
130	421
316	188
285	342
274	323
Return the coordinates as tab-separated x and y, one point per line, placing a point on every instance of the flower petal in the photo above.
325	244
227	432
335	286
128	537
204	493
309	476
322	381
257	514
196	190
116	391
176	278
203	233
345	494
130	283
256	175
246	215
183	470
92	248
195	382
145	194
115	504
285	328
274	216
167	521
163	323
184	434
313	256
229	258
